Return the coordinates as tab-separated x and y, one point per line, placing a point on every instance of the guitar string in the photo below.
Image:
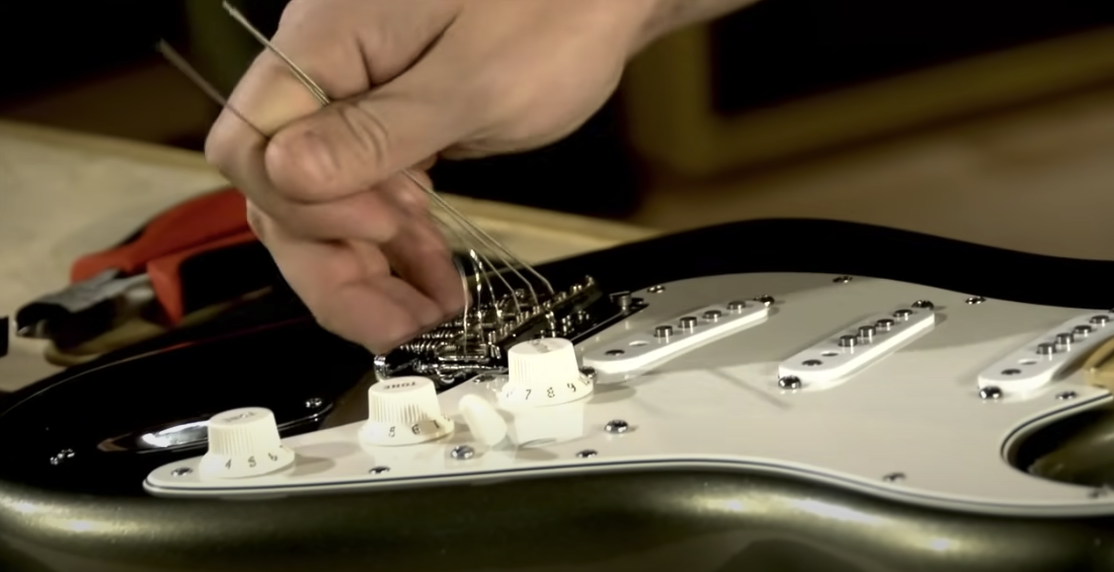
508	258
482	266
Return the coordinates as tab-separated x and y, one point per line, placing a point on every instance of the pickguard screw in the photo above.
894	477
586	454
589	372
616	426
379	470
1064	396
975	300
484	378
926	304
314	402
841	279
181	471
990	392
1098	493
462	452
656	289
765	300
789	382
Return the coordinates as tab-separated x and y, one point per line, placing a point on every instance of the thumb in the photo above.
353	145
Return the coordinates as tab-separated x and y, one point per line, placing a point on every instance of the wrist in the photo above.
661	17
653	20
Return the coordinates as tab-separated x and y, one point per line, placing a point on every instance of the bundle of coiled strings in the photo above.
504	293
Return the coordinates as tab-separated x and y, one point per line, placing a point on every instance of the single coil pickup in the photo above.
855	346
1043	359
676	336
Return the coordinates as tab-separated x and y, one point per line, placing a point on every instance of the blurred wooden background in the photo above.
990	121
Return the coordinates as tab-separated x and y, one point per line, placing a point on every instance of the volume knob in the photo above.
404	411
244	443
544	372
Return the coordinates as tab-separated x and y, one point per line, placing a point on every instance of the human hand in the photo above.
410	81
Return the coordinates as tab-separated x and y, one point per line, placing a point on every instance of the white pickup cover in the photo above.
675	335
857	345
1042	359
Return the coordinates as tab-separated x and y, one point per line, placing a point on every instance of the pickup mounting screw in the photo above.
616	426
462	452
789	382
990	392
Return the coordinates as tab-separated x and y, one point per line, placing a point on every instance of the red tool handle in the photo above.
166	277
198	221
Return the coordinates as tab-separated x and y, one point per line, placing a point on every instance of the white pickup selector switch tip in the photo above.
544	372
484	421
404	411
244	443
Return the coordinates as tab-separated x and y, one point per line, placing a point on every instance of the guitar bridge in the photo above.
477	342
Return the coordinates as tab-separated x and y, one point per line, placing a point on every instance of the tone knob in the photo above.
404	411
244	443
544	372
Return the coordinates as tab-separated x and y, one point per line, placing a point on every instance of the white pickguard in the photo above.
908	424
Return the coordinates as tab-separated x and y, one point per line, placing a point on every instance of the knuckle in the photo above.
218	149
369	133
297	11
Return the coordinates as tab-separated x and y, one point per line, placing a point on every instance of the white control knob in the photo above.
484	421
404	411
244	443
544	372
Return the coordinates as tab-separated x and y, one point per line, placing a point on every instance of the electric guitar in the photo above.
776	395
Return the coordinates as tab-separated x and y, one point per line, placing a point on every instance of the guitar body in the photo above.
755	436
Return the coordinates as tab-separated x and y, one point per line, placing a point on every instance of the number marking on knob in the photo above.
404	411
544	372
244	443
